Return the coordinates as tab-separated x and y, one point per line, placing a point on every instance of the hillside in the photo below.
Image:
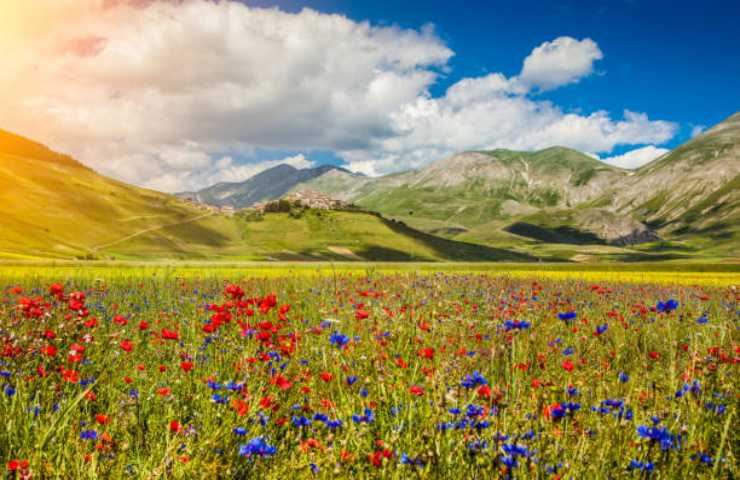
57	208
311	235
53	206
693	193
473	188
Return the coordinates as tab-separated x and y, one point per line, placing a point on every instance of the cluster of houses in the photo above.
305	199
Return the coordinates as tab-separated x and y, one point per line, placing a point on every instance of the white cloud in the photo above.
697	129
637	157
431	128
143	79
559	62
166	93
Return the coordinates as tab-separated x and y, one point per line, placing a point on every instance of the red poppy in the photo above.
416	390
15	465
282	382
169	334
427	353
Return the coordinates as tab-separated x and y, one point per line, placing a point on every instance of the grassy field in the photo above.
364	371
311	235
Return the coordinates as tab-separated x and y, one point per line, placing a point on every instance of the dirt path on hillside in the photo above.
148	230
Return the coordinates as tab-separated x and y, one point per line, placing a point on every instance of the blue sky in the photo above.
675	60
179	95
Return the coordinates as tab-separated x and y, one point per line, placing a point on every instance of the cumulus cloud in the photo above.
637	157
142	79
167	93
559	62
431	128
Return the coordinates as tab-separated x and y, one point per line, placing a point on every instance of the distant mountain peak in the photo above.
269	184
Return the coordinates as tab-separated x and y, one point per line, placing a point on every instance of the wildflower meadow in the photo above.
351	375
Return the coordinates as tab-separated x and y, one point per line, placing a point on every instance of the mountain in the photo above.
269	184
693	193
556	201
54	207
473	188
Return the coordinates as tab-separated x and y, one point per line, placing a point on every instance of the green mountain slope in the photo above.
692	194
474	188
54	207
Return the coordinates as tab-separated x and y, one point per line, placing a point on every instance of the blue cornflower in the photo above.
602	328
667	440
474	411
623	377
334	424
716	408
568	351
667	306
515	450
406	460
338	339
368	417
235	387
220	399
257	446
702	320
88	435
351	379
241	431
300	421
516	325
482	425
567	316
636	465
471	381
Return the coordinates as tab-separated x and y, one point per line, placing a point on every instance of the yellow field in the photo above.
709	276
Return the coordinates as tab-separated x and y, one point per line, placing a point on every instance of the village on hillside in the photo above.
304	199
